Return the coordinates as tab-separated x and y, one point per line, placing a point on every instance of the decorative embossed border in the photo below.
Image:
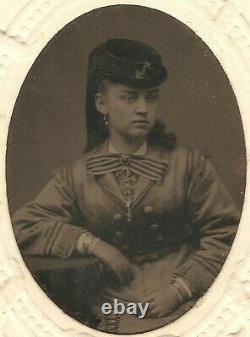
25	28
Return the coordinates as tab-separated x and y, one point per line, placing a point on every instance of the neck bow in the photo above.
145	166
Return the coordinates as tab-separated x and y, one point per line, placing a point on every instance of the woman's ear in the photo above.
100	103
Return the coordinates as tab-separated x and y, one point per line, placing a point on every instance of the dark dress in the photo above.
183	225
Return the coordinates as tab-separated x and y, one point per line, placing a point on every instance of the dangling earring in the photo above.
106	120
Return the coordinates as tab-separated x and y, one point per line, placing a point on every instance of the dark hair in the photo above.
103	67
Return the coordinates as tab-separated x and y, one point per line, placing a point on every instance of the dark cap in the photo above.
127	62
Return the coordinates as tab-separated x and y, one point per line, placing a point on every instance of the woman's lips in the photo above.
140	122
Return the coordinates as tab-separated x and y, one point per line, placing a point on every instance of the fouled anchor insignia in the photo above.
142	71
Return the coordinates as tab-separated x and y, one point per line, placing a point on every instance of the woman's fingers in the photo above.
150	298
128	274
152	306
118	263
123	272
124	276
156	311
153	313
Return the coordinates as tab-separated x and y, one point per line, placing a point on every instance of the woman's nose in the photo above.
141	107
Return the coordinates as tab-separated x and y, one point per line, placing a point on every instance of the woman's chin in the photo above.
140	132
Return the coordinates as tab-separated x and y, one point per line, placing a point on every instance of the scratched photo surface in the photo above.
126	172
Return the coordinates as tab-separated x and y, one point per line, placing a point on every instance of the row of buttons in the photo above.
119	234
154	227
127	247
147	210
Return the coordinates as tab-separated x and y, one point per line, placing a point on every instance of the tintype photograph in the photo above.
125	169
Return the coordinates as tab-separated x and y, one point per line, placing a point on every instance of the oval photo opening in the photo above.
125	169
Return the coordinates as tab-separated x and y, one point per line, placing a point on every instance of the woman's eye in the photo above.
128	98
152	97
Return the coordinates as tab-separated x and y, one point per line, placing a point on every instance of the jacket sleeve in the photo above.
48	225
215	220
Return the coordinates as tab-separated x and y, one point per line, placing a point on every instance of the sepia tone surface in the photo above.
44	86
58	147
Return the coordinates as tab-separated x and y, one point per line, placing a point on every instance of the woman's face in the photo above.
131	112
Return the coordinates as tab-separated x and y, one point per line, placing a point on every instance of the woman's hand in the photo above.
115	260
162	302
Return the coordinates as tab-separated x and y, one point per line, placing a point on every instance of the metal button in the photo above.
119	234
124	160
117	216
148	209
154	226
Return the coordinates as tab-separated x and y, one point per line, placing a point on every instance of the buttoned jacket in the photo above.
189	205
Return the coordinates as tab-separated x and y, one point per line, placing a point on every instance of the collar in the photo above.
140	152
151	151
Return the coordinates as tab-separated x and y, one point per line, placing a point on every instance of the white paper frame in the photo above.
25	28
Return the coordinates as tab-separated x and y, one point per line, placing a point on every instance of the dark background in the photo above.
47	127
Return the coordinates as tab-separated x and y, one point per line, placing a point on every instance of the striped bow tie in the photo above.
145	166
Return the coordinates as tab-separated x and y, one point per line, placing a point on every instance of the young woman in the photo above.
156	215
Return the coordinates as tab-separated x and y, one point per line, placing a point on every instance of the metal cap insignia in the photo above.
142	71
